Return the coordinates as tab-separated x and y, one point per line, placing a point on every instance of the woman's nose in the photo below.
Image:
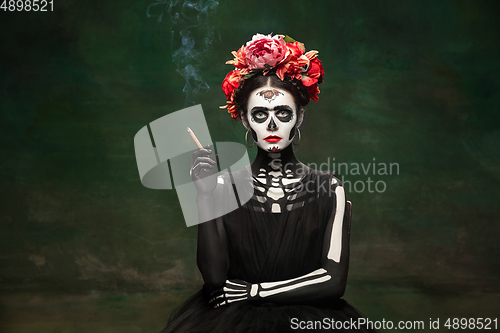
272	125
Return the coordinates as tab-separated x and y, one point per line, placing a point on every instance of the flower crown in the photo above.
265	53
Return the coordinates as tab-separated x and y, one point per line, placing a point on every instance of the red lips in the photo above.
272	138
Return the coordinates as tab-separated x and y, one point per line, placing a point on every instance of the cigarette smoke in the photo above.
190	26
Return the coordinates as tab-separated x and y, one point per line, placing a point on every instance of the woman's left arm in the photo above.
329	281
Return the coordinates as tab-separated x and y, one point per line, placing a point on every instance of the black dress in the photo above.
266	247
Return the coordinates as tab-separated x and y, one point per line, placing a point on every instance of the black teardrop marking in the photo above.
254	135
292	133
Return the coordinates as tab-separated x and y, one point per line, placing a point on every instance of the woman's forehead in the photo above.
269	97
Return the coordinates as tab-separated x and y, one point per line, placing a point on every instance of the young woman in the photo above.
279	262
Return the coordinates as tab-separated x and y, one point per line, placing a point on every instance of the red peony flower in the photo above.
231	82
315	70
293	63
313	92
296	48
265	50
314	73
239	60
292	68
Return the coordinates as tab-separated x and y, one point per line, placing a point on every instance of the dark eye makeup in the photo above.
259	116
283	113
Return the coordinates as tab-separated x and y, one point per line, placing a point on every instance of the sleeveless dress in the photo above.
266	247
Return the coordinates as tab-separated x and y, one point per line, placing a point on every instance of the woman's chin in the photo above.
272	147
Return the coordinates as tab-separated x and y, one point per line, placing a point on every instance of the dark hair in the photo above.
293	86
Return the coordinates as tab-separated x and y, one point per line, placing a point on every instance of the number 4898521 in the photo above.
472	323
27	6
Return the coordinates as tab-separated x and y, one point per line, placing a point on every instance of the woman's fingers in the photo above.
202	153
202	167
202	170
203	163
232	291
205	160
216	305
217	298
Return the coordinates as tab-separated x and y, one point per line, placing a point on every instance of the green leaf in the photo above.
288	39
249	75
268	66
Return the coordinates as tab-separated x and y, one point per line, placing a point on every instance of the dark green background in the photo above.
86	248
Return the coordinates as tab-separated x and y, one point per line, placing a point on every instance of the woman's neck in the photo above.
283	161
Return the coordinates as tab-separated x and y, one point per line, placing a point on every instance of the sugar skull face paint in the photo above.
272	116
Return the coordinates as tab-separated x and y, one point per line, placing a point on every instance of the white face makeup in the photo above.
272	115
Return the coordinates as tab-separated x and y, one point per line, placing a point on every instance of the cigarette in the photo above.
195	139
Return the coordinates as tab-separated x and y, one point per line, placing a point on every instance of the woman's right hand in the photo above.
203	171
